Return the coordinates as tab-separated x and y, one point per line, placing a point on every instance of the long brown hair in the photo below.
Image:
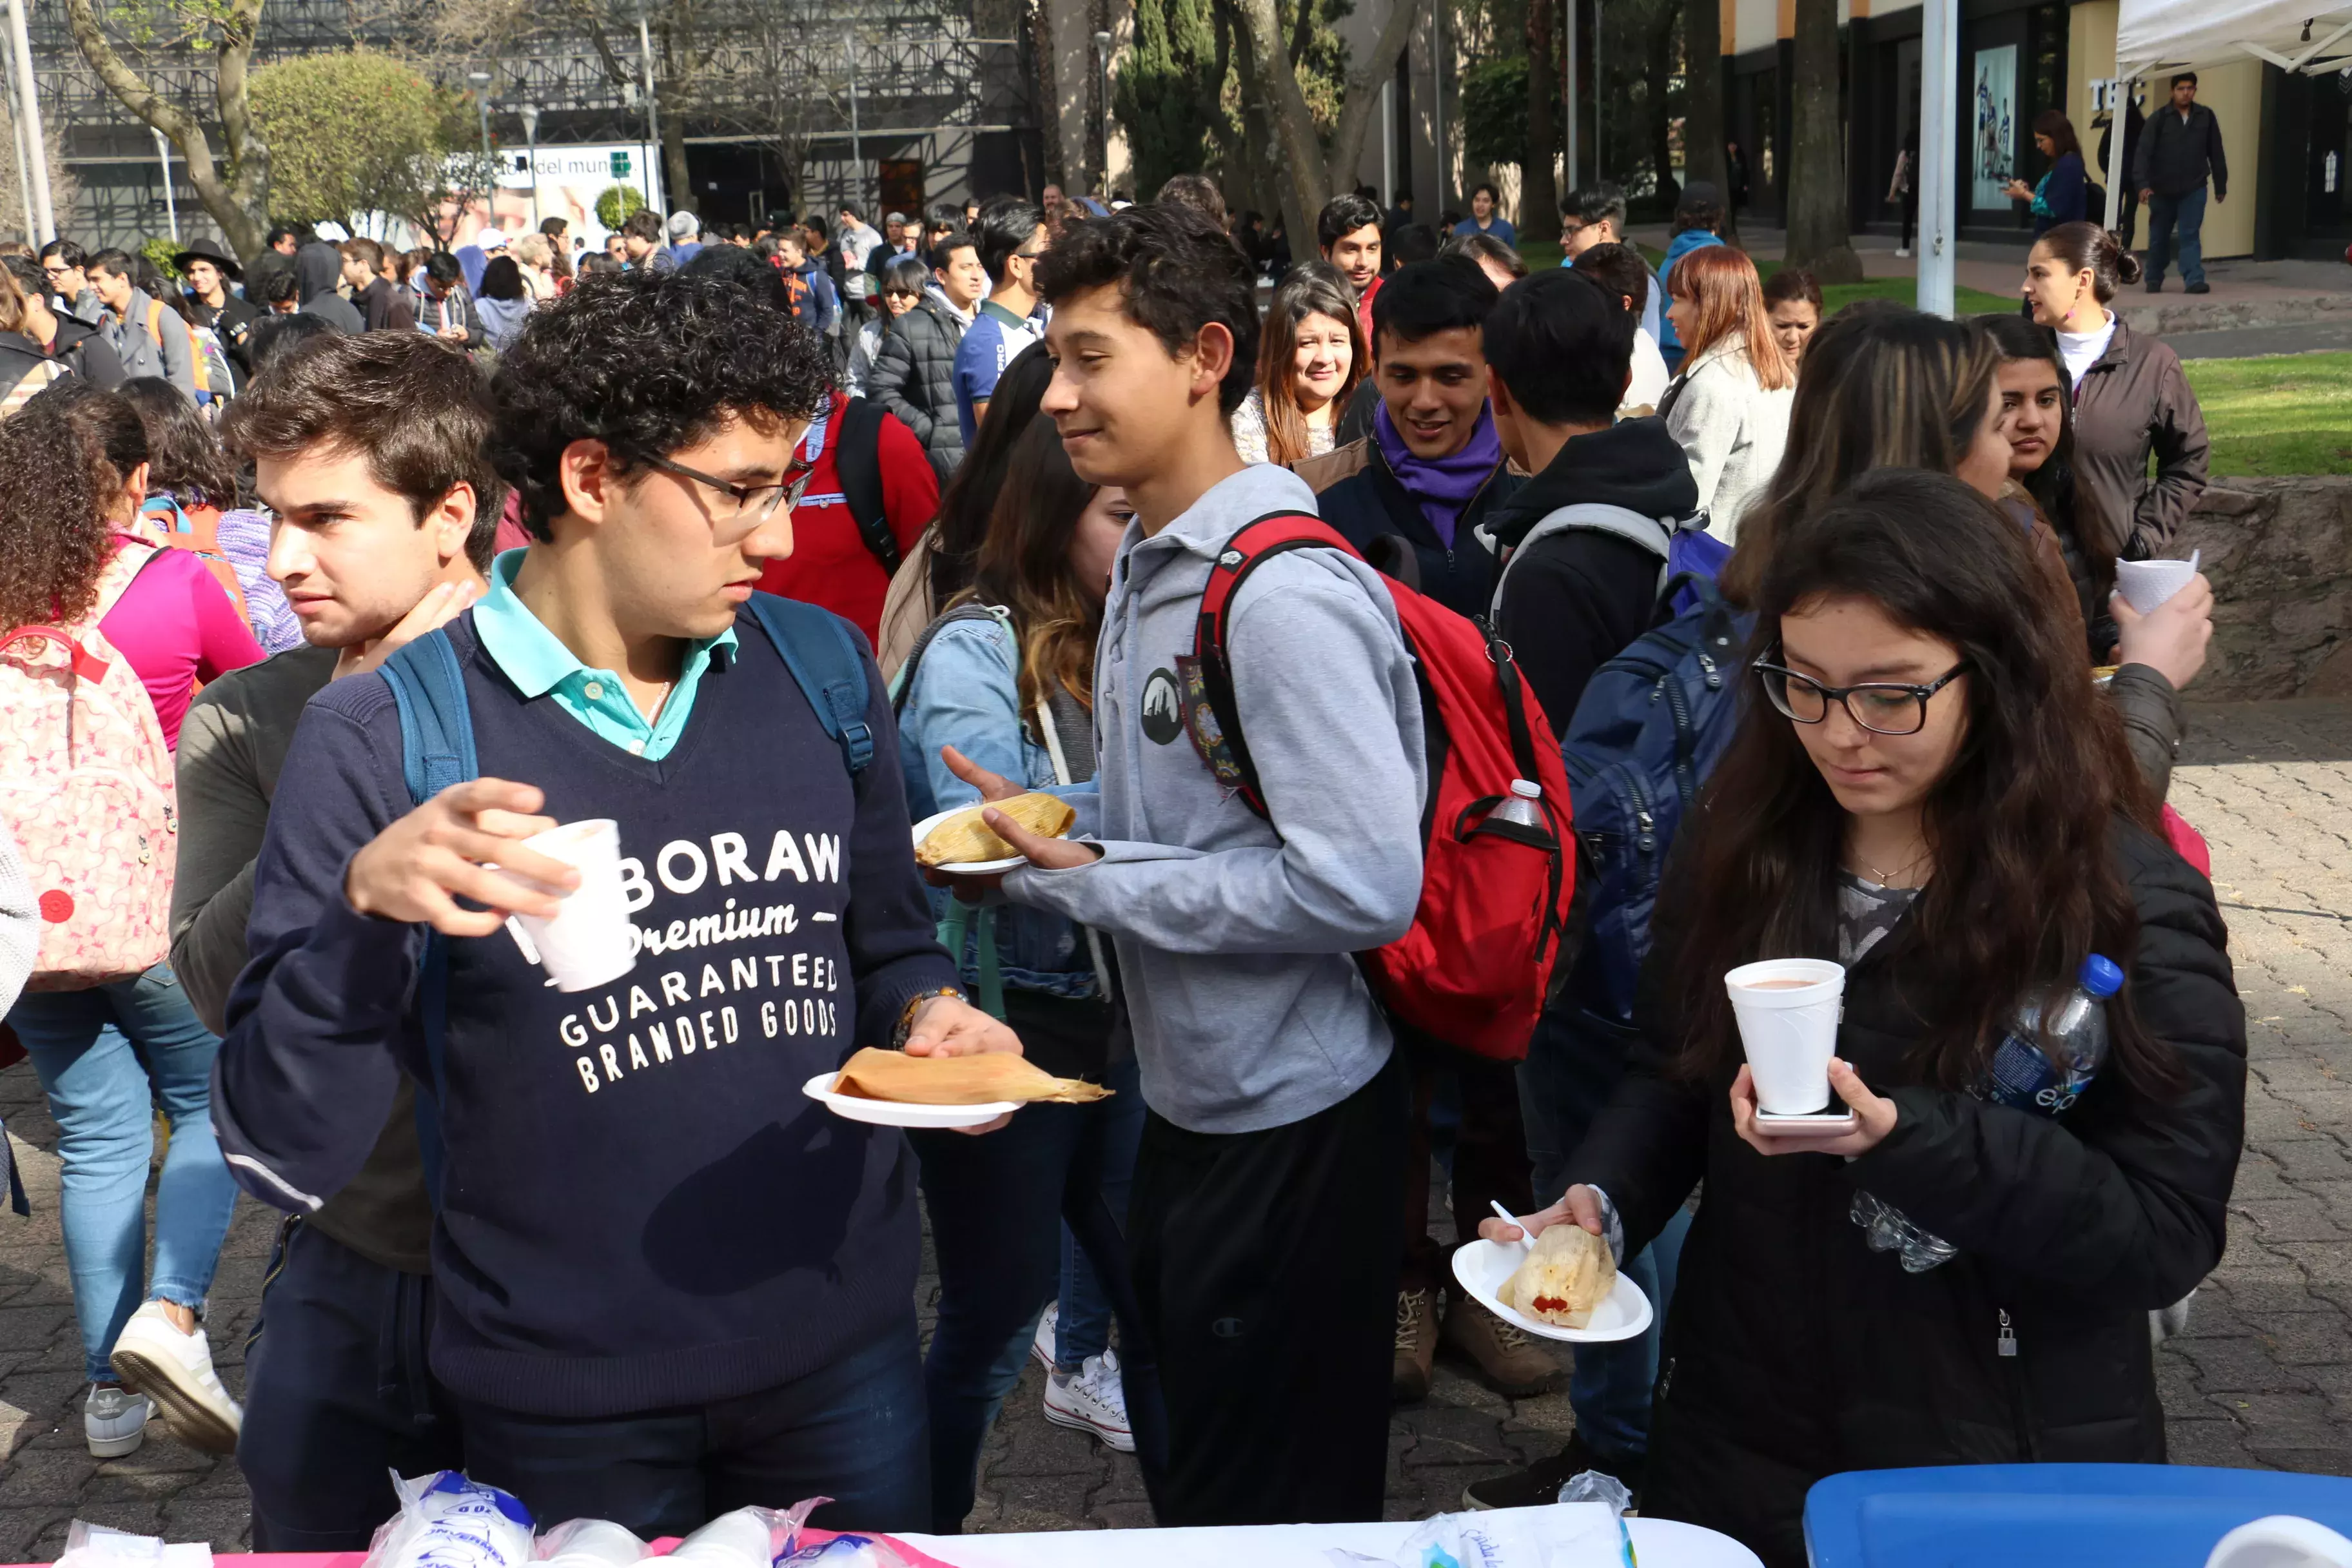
2024	885
1314	288
1024	565
2065	501
1884	386
55	539
1722	283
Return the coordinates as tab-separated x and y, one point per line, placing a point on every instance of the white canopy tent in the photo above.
2304	36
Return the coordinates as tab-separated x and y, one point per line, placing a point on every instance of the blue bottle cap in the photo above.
2100	976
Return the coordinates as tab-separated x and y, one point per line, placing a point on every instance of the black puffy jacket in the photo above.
1791	1351
914	378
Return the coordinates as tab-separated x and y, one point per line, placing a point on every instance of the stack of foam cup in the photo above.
1787	1011
747	1537
590	1543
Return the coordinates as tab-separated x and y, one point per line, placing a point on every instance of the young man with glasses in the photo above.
1594	215
669	1285
1010	238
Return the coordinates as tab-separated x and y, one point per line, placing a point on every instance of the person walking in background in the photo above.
914	367
2180	149
2062	193
1592	215
1793	303
1484	217
1012	236
1699	217
1729	408
2131	401
504	303
146	336
107	1056
1904	189
1309	361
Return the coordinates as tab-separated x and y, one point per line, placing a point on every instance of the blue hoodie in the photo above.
1670	343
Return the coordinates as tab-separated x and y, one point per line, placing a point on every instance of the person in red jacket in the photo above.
885	494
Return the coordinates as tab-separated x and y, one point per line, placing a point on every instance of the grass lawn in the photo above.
1968	302
2287	414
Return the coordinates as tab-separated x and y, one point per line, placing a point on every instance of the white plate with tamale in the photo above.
961	843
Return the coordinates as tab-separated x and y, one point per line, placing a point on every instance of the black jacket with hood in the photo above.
1578	597
319	266
79	347
1791	1351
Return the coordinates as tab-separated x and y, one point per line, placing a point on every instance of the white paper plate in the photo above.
1485	1267
894	1114
963	867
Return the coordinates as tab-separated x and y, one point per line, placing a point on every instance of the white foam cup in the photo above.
1789	1032
586	943
743	1538
2145	585
590	1543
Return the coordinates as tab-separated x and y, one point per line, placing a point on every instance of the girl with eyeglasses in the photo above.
1925	789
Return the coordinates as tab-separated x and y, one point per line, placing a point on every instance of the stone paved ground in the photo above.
2264	1377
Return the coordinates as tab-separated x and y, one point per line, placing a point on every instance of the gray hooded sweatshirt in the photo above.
1234	934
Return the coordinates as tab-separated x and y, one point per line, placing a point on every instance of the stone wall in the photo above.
2279	553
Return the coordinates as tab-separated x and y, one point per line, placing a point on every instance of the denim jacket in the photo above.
965	694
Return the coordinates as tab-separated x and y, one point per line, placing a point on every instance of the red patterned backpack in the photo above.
87	789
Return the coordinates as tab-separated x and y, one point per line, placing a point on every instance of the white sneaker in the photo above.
1093	1400
114	1421
1042	1347
1901	250
175	1370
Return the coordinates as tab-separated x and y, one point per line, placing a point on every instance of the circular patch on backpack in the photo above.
56	906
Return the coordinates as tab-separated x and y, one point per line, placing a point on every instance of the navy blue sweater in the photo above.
641	1209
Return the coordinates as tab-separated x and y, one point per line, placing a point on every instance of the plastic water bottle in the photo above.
1520	807
2023	1075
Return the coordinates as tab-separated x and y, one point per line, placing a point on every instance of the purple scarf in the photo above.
1443	486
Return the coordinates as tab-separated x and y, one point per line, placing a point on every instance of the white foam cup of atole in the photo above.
2145	585
1787	1011
586	943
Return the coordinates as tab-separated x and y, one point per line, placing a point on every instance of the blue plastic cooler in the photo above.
2052	1516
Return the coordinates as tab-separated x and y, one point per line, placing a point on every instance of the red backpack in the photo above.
1476	967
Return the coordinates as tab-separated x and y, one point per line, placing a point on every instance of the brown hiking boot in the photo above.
1416	1345
1508	1361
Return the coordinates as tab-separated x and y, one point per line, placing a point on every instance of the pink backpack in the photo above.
87	787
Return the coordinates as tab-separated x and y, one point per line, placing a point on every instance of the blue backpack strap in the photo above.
436	750
828	662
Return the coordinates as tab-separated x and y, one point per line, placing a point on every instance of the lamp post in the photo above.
530	135
856	156
170	206
482	83
653	117
1102	78
28	108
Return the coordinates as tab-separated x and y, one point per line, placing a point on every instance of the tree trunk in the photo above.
1049	101
235	200
1703	156
1818	234
676	183
1264	54
1539	191
1658	107
1359	104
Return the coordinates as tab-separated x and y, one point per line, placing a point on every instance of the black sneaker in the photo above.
1540	1484
2199	289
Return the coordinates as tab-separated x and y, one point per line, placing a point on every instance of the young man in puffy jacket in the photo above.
914	373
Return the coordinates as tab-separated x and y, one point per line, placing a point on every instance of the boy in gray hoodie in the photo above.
1263	1226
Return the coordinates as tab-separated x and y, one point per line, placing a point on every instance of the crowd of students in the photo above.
599	1249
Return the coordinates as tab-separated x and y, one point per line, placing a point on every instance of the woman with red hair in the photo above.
1729	406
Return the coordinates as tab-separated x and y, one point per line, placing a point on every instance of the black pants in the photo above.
1265	1265
852	1430
1490	1154
337	1395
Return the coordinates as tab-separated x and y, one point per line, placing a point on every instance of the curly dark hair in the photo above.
188	459
1177	271
647	362
55	539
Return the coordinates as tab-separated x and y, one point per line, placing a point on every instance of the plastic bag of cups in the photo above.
449	1522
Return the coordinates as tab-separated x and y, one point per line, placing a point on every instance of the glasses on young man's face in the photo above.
1882	708
754	504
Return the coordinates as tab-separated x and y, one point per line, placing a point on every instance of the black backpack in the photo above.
858	458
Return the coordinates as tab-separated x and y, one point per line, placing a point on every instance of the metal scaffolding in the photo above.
943	83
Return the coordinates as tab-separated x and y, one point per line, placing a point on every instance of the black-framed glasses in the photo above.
754	504
1881	707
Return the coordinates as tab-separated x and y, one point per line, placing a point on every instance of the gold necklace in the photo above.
1884	880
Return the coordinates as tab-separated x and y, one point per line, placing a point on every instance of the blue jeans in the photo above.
998	1205
1573	1066
852	1430
108	1056
2185	213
